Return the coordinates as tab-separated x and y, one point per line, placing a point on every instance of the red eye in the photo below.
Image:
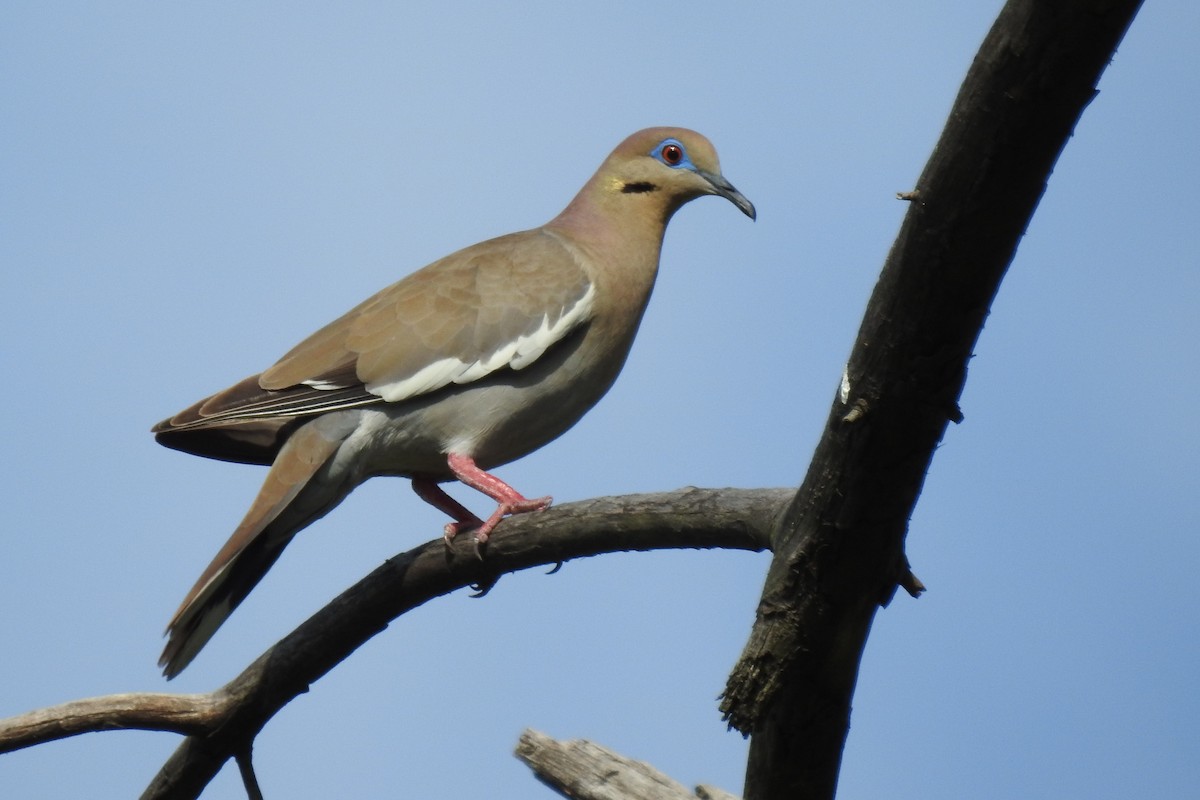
672	154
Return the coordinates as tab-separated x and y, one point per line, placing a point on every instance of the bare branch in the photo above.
153	711
688	518
222	724
584	770
839	550
245	762
694	518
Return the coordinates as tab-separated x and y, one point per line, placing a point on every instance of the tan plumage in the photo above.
471	362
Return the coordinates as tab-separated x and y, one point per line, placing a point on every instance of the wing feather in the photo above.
498	304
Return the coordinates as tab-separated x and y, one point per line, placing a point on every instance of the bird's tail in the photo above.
281	509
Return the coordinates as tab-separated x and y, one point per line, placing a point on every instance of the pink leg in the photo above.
433	494
509	500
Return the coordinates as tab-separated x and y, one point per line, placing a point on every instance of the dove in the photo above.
467	364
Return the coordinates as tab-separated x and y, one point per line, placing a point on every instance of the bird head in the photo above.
676	163
647	178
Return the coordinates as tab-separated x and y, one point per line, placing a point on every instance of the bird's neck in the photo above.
620	235
609	214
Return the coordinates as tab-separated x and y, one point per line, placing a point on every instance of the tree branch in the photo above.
150	711
223	723
839	548
584	770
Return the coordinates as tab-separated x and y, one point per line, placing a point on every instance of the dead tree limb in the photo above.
584	770
221	725
587	771
839	548
691	518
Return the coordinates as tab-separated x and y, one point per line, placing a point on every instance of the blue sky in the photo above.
187	190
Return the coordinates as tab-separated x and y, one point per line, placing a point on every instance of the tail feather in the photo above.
272	521
196	622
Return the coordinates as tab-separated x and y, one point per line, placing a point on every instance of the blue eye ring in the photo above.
672	153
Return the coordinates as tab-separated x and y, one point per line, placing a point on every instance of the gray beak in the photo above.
725	189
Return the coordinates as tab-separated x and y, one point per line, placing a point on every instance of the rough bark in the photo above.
839	547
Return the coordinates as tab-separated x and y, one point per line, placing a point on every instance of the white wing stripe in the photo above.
324	385
531	346
518	354
426	379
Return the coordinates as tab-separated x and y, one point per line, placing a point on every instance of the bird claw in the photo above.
524	505
481	588
453	529
483	528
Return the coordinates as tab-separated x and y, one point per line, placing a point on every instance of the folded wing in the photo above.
495	306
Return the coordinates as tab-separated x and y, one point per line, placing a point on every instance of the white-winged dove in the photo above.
469	363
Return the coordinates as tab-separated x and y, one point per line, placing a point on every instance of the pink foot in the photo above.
509	500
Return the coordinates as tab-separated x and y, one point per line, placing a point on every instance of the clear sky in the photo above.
188	189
